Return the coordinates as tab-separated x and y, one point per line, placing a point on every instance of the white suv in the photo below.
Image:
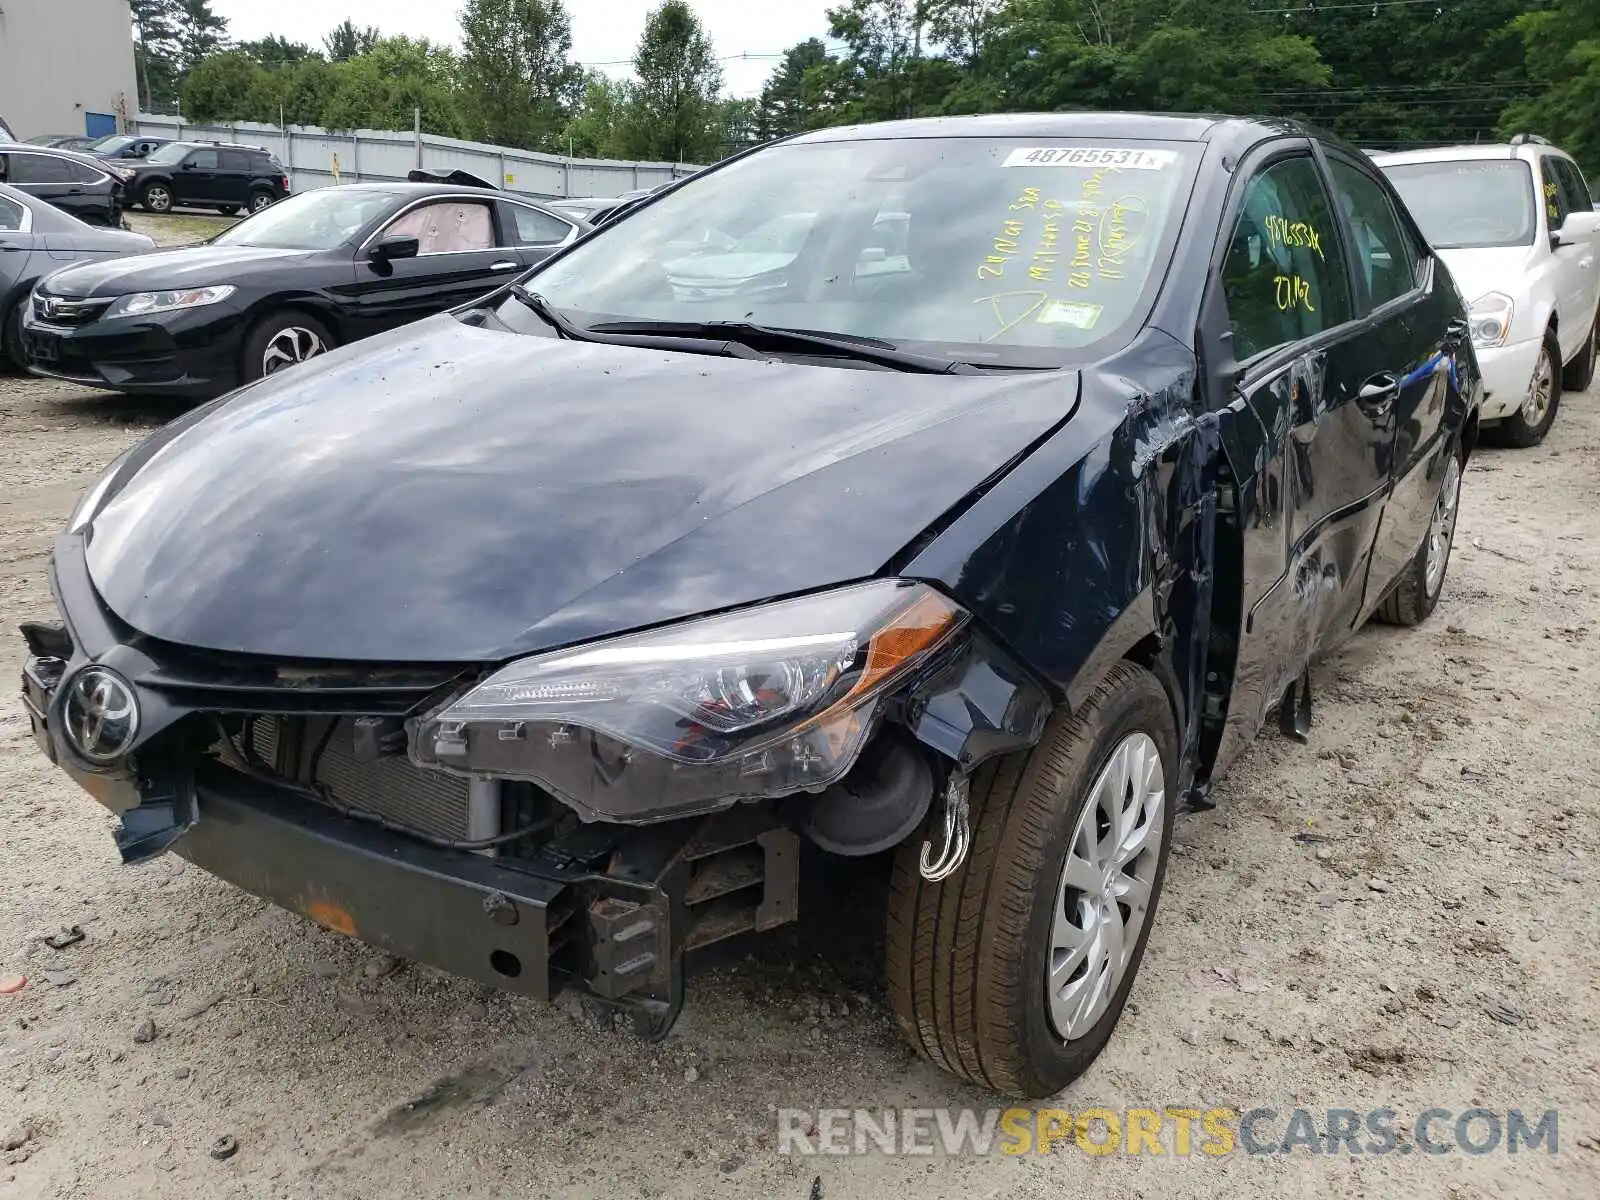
1517	228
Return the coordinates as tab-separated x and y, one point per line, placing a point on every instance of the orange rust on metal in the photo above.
97	786
331	916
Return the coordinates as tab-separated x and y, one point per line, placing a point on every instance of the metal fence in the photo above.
317	158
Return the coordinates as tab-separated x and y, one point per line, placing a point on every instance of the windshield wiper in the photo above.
775	337
644	340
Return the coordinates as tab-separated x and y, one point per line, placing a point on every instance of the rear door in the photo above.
234	171
1574	259
1308	440
535	233
463	254
53	180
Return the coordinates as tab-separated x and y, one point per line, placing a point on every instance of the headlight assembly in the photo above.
759	703
1490	317
143	304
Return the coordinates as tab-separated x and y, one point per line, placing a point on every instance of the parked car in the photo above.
1516	224
78	184
592	210
321	269
207	175
126	146
529	641
35	239
62	141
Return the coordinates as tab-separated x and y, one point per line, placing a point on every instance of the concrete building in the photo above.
66	66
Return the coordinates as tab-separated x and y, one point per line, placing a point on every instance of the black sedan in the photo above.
35	239
87	187
319	270
531	640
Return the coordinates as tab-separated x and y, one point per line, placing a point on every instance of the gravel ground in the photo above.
1401	914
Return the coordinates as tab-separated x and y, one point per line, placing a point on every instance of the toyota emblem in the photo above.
101	715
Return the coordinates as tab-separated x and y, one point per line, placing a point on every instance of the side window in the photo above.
1284	277
234	160
1384	250
12	215
202	160
39	168
1553	196
447	227
1573	185
535	228
83	173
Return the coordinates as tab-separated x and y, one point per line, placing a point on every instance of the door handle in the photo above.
504	266
1379	392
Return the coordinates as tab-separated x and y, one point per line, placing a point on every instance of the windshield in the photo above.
109	145
985	250
1469	202
316	220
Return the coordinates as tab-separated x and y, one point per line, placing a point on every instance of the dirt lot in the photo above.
1402	914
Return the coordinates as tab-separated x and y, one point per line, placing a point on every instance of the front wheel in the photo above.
1012	972
157	198
1416	593
1528	425
281	341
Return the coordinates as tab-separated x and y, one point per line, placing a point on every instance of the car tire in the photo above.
156	198
1528	425
1580	371
11	352
229	210
1416	593
261	198
282	340
966	958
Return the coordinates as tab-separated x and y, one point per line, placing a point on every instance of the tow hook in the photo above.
957	832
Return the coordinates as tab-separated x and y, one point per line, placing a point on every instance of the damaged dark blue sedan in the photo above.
966	492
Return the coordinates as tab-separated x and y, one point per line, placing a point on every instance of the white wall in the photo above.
61	59
310	154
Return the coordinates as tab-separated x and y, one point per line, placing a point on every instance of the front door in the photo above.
195	180
1307	437
461	257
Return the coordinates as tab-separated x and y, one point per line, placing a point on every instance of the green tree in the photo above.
517	78
307	89
383	88
156	50
674	114
221	87
1563	57
201	33
274	51
787	105
345	41
595	127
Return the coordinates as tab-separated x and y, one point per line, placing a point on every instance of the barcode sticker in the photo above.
1091	156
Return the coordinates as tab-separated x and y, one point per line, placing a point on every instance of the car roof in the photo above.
1175	127
1479	152
419	190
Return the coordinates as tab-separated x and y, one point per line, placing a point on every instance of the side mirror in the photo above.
1580	223
397	246
188	166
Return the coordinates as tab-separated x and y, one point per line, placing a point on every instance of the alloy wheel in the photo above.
1103	898
159	199
259	201
288	347
1541	389
1442	529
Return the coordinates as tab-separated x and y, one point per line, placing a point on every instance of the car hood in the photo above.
1481	269
191	266
444	493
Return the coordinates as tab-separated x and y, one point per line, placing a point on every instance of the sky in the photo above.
603	31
